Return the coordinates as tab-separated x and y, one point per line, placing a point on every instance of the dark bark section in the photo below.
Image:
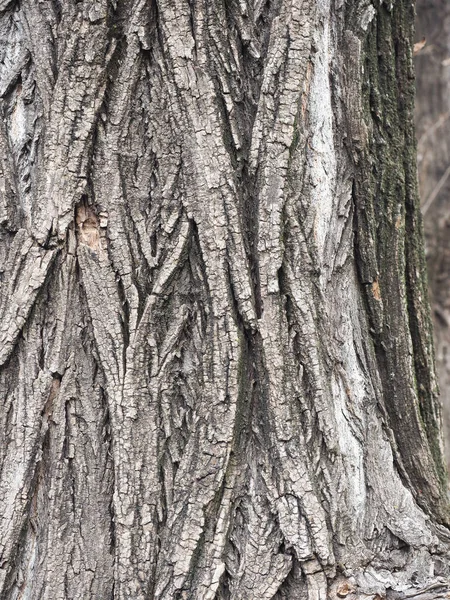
389	244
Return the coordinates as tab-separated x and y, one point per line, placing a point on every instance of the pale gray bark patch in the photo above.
194	403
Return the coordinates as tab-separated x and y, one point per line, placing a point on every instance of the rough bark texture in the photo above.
433	130
217	375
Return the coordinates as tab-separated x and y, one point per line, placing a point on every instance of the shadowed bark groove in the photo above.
216	366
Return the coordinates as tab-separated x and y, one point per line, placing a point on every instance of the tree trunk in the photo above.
433	129
217	369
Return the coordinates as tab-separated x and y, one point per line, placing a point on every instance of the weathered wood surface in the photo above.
217	375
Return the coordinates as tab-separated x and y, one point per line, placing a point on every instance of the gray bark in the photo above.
217	374
433	131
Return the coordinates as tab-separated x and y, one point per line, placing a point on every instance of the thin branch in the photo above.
434	194
442	119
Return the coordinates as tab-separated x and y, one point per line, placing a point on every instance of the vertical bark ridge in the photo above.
64	457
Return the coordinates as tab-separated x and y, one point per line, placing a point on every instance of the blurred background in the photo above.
432	61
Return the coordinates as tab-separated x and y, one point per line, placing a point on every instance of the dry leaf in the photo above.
344	589
419	45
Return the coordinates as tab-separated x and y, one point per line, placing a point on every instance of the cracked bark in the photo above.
216	362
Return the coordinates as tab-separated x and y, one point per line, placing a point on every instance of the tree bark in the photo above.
216	361
433	130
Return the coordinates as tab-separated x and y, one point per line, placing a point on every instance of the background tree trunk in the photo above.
217	370
433	131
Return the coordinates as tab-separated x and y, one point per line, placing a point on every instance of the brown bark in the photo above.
216	361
